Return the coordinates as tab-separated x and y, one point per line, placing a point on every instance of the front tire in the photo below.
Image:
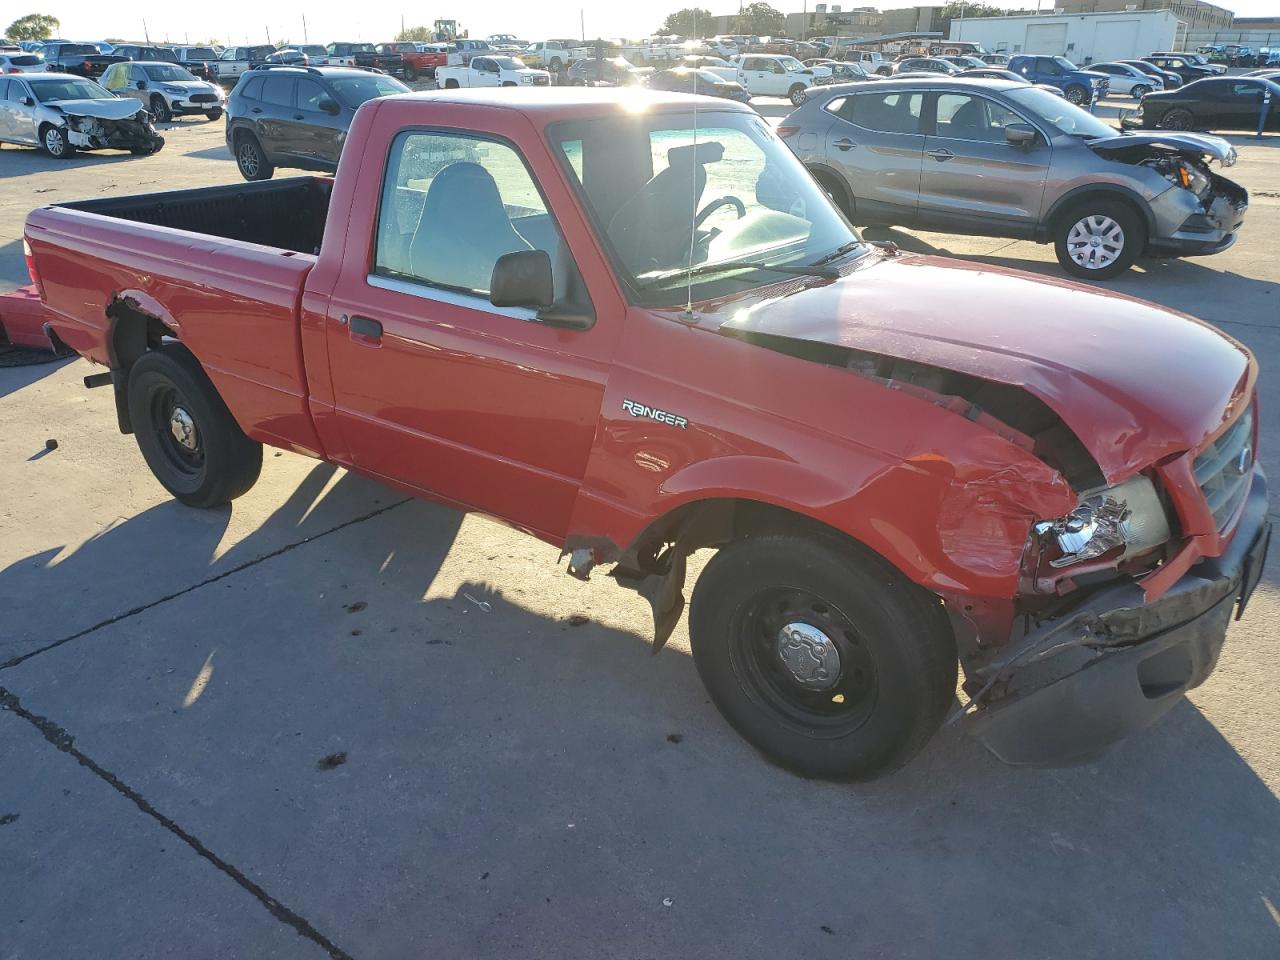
451	84
251	159
821	655
1140	91
185	432
160	109
410	73
796	94
1099	239
1077	94
54	142
214	114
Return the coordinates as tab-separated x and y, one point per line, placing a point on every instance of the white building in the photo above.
1080	37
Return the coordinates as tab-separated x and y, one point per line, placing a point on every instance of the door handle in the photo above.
941	155
256	110
844	143
364	327
298	116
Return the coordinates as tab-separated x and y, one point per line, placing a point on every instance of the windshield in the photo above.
790	63
166	72
1054	109
663	201
51	91
508	63
201	53
353	91
1064	63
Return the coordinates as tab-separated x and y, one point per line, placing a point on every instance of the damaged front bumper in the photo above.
1187	226
1115	664
134	133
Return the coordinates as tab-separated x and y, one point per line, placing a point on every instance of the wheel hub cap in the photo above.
183	428
1095	242
809	655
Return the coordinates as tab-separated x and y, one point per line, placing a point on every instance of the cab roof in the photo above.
560	103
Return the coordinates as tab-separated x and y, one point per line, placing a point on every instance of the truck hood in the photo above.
113	109
1134	381
1191	145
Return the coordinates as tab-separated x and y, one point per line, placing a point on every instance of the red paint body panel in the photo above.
22	318
527	422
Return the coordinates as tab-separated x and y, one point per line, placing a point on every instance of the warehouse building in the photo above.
1081	38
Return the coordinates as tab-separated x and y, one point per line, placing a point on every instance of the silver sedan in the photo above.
62	113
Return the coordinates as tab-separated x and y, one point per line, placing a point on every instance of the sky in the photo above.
241	21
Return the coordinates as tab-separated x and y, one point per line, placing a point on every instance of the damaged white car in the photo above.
61	113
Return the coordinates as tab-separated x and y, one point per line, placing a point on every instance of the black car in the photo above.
1222	103
297	116
81	59
692	80
1171	80
602	72
1184	68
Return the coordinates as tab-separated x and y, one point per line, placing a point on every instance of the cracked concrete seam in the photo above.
23	658
65	743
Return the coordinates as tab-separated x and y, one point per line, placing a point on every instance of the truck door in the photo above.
878	144
433	385
972	178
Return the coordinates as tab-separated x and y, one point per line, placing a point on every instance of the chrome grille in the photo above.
1223	468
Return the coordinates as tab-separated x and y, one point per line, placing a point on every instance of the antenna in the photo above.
688	316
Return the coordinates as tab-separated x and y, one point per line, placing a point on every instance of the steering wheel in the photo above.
715	205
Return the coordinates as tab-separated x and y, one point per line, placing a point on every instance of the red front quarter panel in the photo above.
947	501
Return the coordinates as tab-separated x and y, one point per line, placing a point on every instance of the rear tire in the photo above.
836	190
451	84
1119	232
160	109
821	655
251	159
410	73
1177	119
189	439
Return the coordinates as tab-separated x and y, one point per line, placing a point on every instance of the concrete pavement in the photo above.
329	721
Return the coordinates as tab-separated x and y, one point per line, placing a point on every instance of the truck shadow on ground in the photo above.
472	727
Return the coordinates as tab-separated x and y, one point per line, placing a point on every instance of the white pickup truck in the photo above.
491	72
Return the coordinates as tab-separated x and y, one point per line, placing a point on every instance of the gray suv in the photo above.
1003	159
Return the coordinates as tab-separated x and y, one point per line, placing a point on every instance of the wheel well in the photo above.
654	564
1071	202
825	176
131	333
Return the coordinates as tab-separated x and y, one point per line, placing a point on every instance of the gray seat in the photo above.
651	230
463	230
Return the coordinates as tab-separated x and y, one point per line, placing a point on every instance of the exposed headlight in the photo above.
1188	177
1128	516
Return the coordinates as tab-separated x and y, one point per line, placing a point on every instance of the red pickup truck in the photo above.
416	63
635	329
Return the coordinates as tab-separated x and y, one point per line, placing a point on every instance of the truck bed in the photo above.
288	214
221	268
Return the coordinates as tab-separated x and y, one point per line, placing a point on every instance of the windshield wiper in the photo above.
837	253
802	270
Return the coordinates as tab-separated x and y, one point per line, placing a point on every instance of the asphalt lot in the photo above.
330	720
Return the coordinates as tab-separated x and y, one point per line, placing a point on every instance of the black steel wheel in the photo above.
820	654
189	439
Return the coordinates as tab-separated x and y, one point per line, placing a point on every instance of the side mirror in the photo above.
142	84
329	106
28	102
1020	134
522	279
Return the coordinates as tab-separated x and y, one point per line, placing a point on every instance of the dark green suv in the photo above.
297	116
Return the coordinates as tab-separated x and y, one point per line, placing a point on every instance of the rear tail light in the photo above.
31	267
88	65
787	130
